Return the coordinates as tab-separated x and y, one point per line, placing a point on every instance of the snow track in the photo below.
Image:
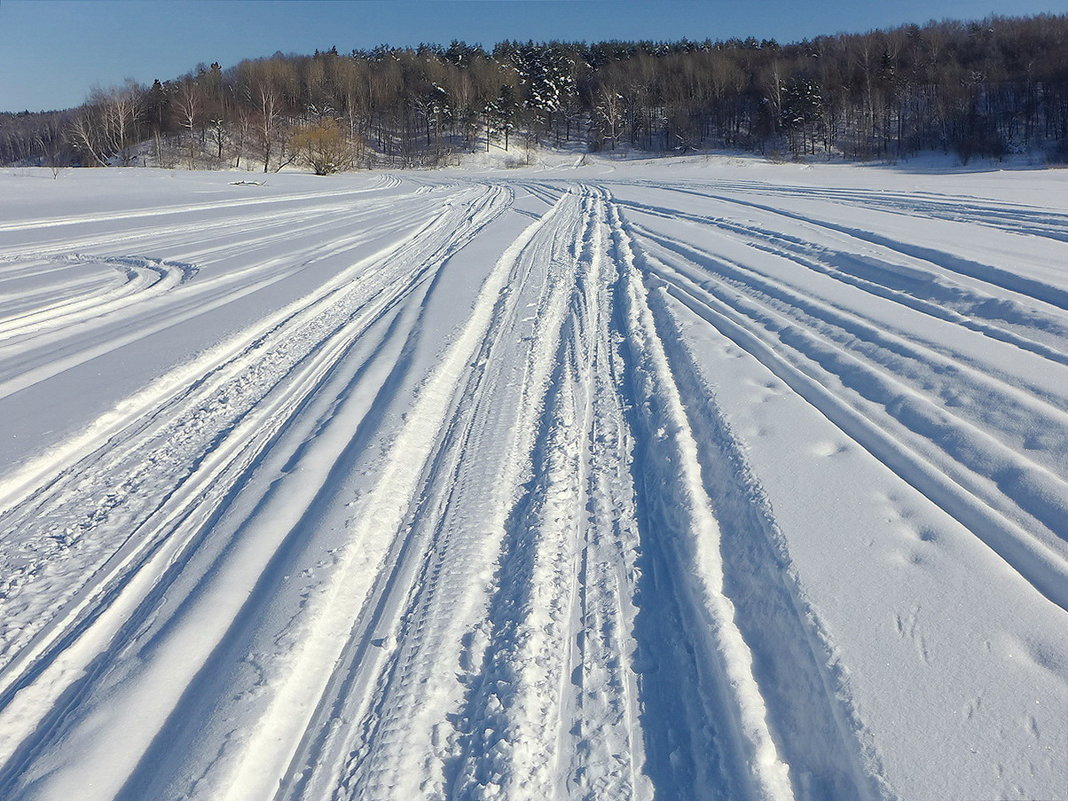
537	488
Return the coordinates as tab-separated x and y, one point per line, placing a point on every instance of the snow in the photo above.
698	477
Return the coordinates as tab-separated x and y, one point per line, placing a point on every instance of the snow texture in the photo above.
689	479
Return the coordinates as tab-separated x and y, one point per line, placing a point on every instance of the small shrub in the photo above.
323	147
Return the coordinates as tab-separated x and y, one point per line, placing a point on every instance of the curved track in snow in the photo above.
535	488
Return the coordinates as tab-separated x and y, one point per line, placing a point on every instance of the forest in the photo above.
986	88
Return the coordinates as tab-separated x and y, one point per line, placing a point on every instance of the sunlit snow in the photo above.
701	478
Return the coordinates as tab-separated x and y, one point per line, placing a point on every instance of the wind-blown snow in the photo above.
696	479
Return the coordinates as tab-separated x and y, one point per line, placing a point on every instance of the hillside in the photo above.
986	88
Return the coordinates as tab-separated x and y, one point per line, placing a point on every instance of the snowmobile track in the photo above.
537	486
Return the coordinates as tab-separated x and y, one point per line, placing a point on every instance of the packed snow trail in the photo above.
618	482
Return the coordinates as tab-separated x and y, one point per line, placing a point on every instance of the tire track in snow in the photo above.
144	278
551	712
418	692
1034	554
298	312
83	219
233	230
607	755
28	285
904	280
1014	218
46	657
732	751
554	577
995	432
819	734
1032	290
55	350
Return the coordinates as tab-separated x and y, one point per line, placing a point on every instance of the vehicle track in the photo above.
918	456
210	431
144	277
903	279
1013	218
333	557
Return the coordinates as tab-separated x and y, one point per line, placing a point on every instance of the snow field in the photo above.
705	480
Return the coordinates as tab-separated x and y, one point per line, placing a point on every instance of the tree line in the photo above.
984	88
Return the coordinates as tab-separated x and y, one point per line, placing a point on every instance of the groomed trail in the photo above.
651	481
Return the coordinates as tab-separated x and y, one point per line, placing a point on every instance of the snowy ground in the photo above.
692	479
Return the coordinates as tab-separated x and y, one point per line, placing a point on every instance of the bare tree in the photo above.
981	88
119	113
86	133
610	111
188	108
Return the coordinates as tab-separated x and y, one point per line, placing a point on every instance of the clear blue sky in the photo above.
53	51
